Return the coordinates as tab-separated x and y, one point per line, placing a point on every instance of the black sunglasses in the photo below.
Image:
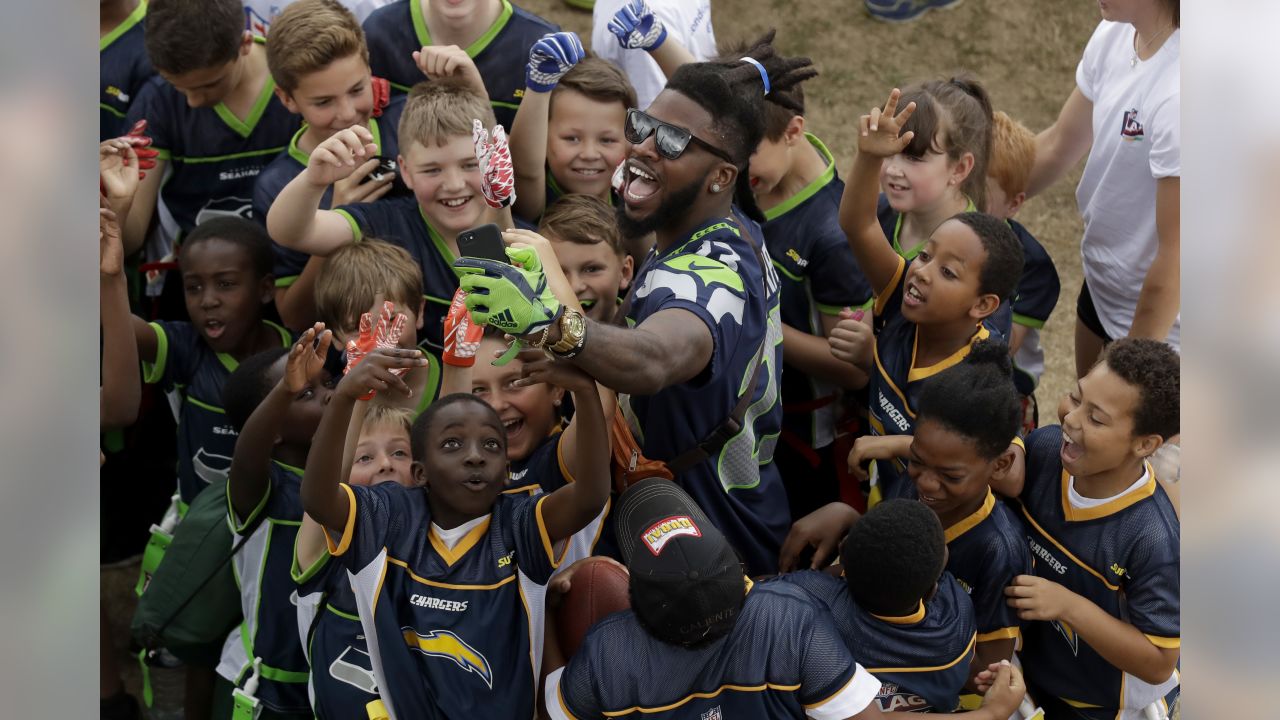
671	140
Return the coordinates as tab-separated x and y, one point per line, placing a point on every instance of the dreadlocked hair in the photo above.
732	92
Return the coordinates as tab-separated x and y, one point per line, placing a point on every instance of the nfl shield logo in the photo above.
712	714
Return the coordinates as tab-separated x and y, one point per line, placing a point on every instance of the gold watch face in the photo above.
575	324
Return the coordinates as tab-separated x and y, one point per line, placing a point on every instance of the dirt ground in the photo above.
1025	53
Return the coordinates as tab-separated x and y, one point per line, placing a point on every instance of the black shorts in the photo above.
1088	314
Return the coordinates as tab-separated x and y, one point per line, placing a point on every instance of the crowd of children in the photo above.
441	310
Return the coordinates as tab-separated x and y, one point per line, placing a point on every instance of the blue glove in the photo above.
637	28
550	58
516	300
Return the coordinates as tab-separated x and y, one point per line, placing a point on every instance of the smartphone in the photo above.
386	166
483	242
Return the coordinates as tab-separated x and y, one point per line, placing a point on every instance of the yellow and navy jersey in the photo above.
290	163
396	30
819	276
213	157
269	631
123	67
783	658
921	660
717	276
1033	302
193	375
451	631
1122	556
544	471
896	381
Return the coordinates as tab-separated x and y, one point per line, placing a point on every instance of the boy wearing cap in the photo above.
701	641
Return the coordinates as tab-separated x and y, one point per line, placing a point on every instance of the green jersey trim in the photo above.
812	188
154	370
301	575
287	281
356	234
779	267
231	363
1028	321
113	111
475	48
294	151
245	127
125	26
341	614
897	229
437	239
164	154
202	404
507	105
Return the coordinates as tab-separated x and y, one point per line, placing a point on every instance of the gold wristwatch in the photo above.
573	334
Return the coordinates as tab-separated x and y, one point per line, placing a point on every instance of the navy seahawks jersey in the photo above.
921	660
717	276
553	192
267	596
187	368
213	156
290	163
395	31
783	658
1033	301
819	276
451	632
1122	556
896	382
123	67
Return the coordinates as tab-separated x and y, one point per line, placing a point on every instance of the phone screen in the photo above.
483	242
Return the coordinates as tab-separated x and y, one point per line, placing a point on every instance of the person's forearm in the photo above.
671	55
293	214
122	386
871	249
529	152
249	478
297	302
136	220
987	653
811	354
1051	162
1119	643
587	461
1017	335
635	361
1161	289
322	498
354	427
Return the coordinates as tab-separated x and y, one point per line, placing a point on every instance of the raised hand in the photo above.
437	61
118	169
306	358
550	58
381	369
517	300
868	448
110	248
384	333
822	530
637	28
141	142
461	336
880	132
340	155
497	175
852	340
355	188
381	94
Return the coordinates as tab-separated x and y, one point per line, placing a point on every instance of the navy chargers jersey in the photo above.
783	658
716	276
1033	301
921	660
544	471
194	374
290	163
452	632
267	596
213	156
896	382
123	67
1122	556
819	276
395	31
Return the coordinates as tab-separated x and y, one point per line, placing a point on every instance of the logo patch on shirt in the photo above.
795	258
1068	634
712	714
664	531
444	644
1131	129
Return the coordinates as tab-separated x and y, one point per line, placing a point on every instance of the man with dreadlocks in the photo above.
699	361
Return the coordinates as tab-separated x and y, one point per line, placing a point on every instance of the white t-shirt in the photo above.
688	21
1136	140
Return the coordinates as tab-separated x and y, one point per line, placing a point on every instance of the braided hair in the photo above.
733	93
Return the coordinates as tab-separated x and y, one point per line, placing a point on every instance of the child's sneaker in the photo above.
905	10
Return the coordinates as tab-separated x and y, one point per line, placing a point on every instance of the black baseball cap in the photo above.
687	583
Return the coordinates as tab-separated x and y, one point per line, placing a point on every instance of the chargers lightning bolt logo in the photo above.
444	644
1069	634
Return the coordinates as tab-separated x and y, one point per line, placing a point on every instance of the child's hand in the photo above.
1038	599
437	61
381	370
852	340
110	248
353	188
539	367
340	155
637	28
461	336
498	177
1003	687
385	332
878	133
868	448
306	359
118	169
563	580
550	58
822	530
141	142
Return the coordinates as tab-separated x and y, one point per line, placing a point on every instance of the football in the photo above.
599	587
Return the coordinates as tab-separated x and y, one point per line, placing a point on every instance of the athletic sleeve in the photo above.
1006	557
709	289
1166	138
568	692
835	279
1038	288
176	346
1089	67
832	685
151	105
536	554
889	300
1151	595
375	517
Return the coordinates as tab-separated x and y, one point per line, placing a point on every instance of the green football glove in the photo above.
516	300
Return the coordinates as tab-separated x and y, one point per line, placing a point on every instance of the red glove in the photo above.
499	181
385	334
461	336
141	143
381	94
